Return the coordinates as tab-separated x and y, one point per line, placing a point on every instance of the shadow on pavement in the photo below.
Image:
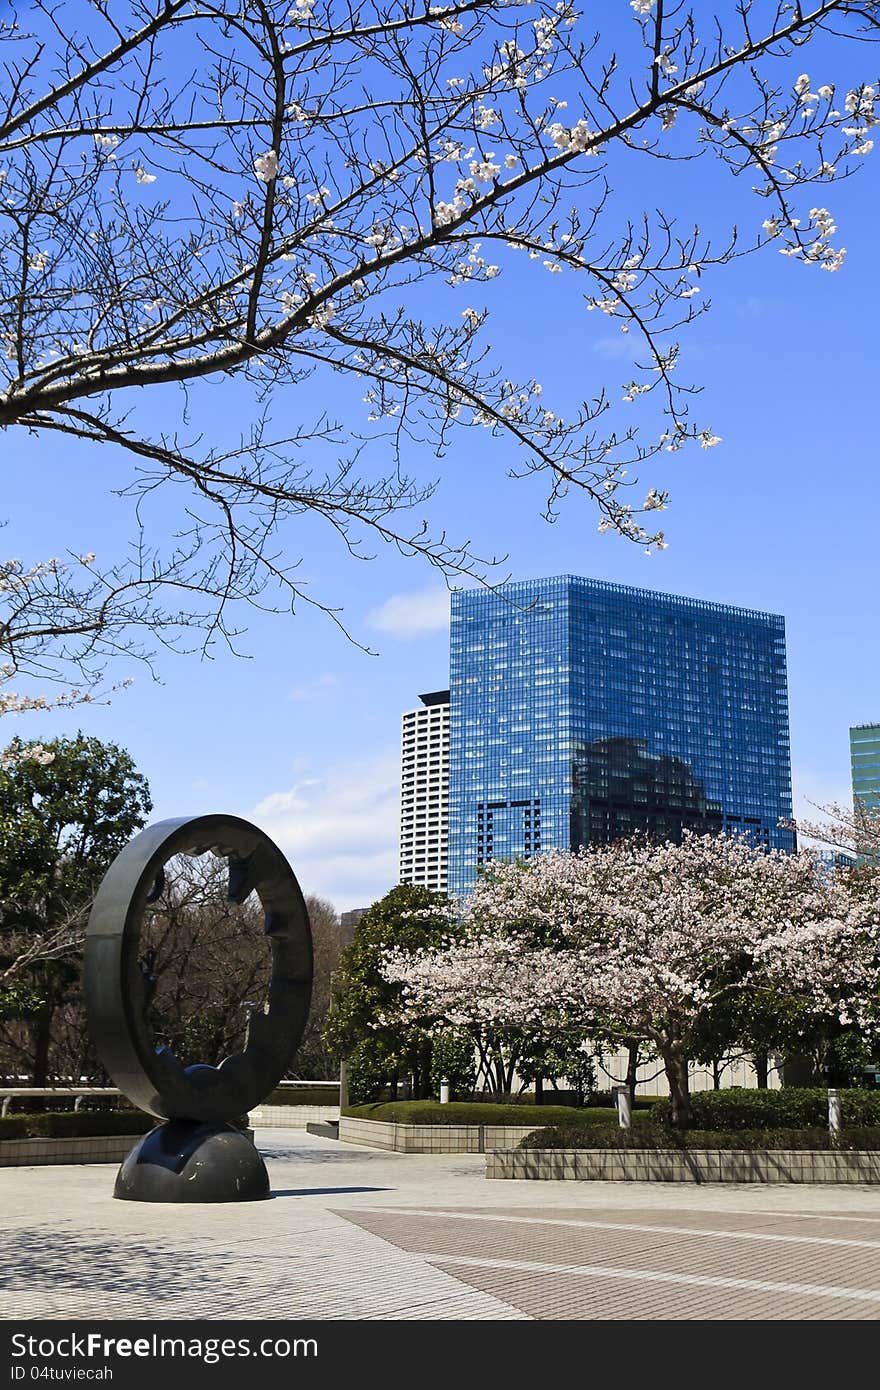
324	1191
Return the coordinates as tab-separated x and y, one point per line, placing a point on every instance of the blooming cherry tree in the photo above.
66	619
855	830
827	961
643	941
197	191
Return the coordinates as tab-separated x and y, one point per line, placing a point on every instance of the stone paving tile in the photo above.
569	1296
699	1255
808	1224
316	1250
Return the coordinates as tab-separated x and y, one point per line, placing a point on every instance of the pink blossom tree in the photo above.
646	941
855	830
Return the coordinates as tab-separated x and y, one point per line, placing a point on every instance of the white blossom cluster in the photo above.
487	130
302	12
579	139
18	753
266	166
643	940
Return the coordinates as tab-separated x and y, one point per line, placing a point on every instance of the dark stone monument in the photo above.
198	1154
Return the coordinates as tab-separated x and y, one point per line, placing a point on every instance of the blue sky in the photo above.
302	734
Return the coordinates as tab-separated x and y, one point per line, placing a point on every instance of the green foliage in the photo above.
360	1023
70	1124
372	1064
605	1098
61	824
648	1137
452	1060
792	1107
431	1112
19	998
558	1056
302	1095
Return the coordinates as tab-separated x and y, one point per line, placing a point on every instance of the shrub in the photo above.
431	1112
792	1107
302	1095
70	1124
452	1060
651	1137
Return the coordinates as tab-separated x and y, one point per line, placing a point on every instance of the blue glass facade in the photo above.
582	710
864	749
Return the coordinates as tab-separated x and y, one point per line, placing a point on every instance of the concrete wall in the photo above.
430	1139
291	1116
20	1153
737	1071
708	1165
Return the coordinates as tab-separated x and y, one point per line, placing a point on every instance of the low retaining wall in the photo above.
93	1148
24	1153
430	1139
695	1165
291	1116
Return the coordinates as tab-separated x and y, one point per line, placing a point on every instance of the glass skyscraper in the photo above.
581	711
864	751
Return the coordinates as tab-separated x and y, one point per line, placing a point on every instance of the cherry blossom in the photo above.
643	940
266	166
389	108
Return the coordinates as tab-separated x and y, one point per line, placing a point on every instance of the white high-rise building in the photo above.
424	792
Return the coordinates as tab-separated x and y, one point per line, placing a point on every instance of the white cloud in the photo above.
751	307
320	686
622	348
411	615
340	830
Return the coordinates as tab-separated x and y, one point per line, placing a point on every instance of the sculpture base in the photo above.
188	1161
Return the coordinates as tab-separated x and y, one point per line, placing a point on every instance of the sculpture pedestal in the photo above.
189	1161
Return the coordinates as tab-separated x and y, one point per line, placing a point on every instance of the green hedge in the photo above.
596	1100
461	1112
302	1095
606	1137
70	1124
792	1107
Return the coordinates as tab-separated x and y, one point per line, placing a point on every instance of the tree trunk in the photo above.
761	1063
539	1090
424	1073
675	1064
716	1074
42	1039
632	1069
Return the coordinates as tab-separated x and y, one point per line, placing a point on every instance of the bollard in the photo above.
444	1092
624	1106
343	1085
834	1115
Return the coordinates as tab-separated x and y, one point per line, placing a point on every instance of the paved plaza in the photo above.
363	1234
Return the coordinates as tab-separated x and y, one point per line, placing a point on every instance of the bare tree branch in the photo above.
195	190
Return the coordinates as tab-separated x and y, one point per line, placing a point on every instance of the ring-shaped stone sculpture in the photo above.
119	987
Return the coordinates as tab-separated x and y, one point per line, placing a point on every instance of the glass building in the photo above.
864	752
581	711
